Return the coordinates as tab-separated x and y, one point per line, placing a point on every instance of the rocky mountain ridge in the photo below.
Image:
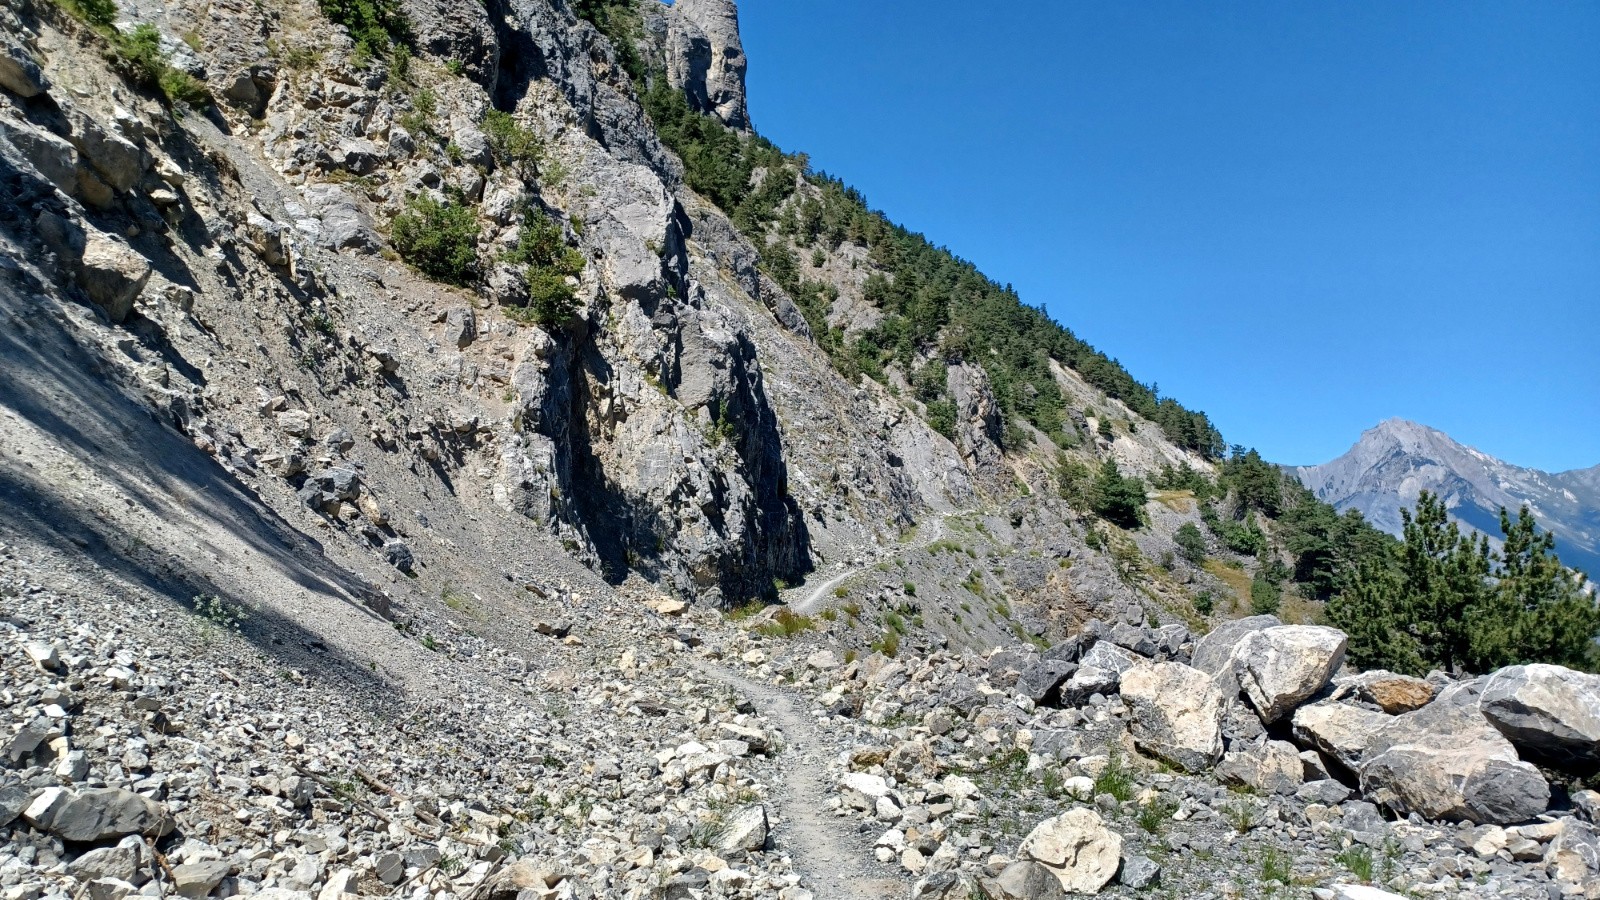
1395	460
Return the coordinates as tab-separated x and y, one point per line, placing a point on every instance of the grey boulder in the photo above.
1281	667
1445	761
1176	714
1551	713
96	815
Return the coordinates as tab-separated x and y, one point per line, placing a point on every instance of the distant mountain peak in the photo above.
1397	459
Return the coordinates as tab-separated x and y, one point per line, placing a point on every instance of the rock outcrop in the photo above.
705	58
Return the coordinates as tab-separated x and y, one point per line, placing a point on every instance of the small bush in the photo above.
98	13
1204	603
375	25
1153	816
786	623
1241	815
1358	859
1115	780
1265	597
514	146
548	262
439	239
139	56
1276	866
1191	543
942	418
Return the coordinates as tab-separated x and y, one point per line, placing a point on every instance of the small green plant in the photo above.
1204	603
1153	816
439	239
1276	866
452	866
830	614
888	644
455	598
1115	779
548	262
1357	858
514	146
138	55
787	623
429	643
910	589
99	13
375	25
220	613
455	67
1241	815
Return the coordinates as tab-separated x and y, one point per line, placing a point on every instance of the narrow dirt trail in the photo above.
833	862
818	596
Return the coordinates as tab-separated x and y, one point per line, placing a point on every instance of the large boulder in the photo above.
1339	730
1445	761
1272	767
1212	655
744	830
112	274
1109	657
1392	693
1024	880
1551	713
1041	681
1281	667
1176	714
1078	849
97	815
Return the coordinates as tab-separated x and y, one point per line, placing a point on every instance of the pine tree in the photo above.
1443	600
1116	499
1537	609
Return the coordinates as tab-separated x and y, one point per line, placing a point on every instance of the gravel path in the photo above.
833	863
818	596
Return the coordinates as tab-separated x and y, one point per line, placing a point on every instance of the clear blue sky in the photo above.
1300	217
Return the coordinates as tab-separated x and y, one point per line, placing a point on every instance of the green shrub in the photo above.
1115	780
1117	499
1204	603
138	56
375	25
98	13
1265	597
439	239
1358	859
547	262
1191	543
942	418
786	623
514	146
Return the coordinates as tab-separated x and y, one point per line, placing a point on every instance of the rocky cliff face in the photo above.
705	58
1396	460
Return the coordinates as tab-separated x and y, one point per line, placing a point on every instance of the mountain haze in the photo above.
1396	460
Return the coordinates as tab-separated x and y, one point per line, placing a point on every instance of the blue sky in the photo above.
1302	218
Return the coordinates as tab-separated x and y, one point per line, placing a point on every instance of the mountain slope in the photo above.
1397	459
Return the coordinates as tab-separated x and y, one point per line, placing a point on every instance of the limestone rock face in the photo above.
1549	712
1446	761
1280	668
1213	655
706	58
1176	712
1077	848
